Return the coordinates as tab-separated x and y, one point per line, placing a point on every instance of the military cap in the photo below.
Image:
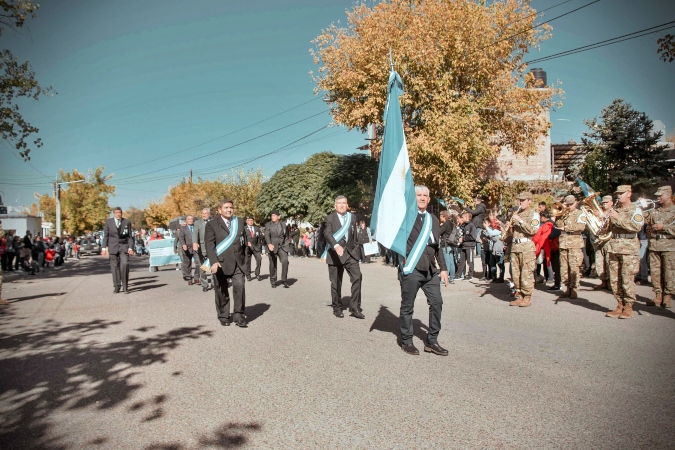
570	199
623	188
525	195
664	190
607	199
275	213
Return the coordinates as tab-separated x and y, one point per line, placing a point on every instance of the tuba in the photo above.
559	211
589	206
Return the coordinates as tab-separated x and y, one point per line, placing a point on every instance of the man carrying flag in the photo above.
402	224
342	253
225	241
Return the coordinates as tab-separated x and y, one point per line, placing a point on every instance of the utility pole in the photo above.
190	176
57	197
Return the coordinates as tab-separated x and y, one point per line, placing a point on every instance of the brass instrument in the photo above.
559	211
589	206
645	204
508	227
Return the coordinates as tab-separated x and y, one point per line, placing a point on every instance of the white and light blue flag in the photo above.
395	208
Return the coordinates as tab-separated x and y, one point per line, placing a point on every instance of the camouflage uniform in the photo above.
571	254
523	258
601	256
624	253
662	253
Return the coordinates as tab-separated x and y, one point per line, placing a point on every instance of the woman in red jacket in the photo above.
542	246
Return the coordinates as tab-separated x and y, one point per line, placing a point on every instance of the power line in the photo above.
226	148
537	13
21	159
615	40
224	135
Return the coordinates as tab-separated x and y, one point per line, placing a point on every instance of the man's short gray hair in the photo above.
340	197
207	210
421	188
187	217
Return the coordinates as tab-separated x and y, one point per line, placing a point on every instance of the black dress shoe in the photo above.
338	313
410	349
226	322
435	348
241	323
116	290
286	285
554	288
260	278
249	279
358	315
274	285
126	291
205	289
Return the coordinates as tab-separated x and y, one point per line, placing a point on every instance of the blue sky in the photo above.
140	83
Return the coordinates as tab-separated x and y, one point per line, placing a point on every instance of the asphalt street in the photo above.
81	367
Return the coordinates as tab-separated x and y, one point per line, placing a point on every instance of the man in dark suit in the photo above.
343	254
276	236
199	246
424	275
118	244
229	265
253	248
363	237
186	243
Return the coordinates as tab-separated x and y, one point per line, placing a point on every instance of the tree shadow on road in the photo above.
33	297
54	367
389	323
229	435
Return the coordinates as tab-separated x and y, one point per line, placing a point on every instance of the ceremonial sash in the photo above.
339	234
225	243
420	244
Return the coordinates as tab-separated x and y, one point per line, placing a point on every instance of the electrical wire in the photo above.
615	40
224	135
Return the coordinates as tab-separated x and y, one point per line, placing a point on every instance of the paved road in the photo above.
83	368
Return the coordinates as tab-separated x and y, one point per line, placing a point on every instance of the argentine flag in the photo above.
395	208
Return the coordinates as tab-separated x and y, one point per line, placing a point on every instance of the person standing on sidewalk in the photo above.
2	300
624	252
661	221
478	214
199	246
467	247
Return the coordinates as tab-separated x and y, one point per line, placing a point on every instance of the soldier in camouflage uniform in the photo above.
2	301
624	252
571	243
525	224
661	222
601	259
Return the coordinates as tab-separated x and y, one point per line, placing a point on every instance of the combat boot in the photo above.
567	293
627	312
666	301
656	302
516	294
527	301
601	286
617	312
573	293
518	300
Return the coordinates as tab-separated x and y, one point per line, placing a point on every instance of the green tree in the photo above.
17	80
307	191
136	217
623	149
666	49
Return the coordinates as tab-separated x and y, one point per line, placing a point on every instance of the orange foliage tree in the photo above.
191	197
467	89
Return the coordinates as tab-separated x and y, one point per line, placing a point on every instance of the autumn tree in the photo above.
623	149
136	217
467	89
191	197
84	206
17	80
666	48
45	204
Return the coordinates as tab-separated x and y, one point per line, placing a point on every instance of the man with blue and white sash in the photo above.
225	245
342	253
419	271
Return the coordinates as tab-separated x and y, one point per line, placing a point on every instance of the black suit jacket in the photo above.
117	240
272	236
256	240
432	253
185	237
214	233
351	246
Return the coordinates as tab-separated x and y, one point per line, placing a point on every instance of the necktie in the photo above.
251	230
191	228
227	224
343	217
117	223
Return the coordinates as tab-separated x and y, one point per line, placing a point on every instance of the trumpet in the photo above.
508	227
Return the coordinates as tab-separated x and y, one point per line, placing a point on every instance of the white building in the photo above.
20	223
